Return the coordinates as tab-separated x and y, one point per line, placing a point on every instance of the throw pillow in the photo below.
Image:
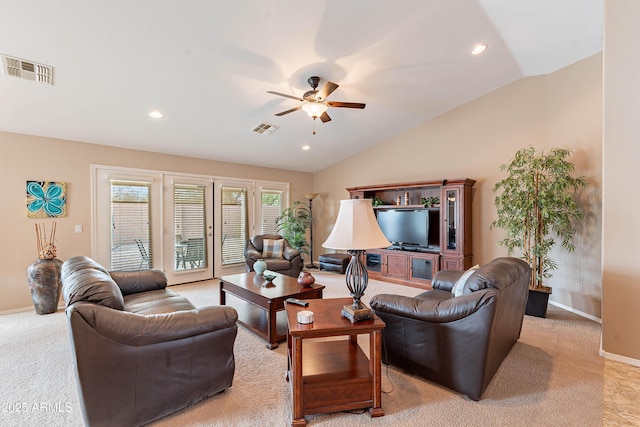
272	248
460	285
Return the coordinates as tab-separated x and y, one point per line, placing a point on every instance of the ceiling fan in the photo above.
314	102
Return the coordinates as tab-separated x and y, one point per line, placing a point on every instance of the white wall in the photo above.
621	164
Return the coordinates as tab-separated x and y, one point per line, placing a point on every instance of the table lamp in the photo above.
355	231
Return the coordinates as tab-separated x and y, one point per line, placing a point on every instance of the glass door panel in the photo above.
190	226
452	222
131	242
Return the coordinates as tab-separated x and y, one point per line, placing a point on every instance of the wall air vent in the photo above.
27	70
265	128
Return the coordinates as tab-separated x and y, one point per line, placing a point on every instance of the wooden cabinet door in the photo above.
422	267
395	265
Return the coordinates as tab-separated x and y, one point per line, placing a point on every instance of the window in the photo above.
190	224
131	247
234	224
270	209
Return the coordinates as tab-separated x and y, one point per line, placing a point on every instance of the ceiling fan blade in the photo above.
285	95
326	90
289	111
325	117
346	104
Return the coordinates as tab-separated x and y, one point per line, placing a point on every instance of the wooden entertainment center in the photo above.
416	267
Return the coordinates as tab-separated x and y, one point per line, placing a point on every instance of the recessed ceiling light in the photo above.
478	49
156	114
306	147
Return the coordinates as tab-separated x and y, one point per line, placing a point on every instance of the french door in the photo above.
188	228
179	223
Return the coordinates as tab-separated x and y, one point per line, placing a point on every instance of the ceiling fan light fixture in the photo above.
314	109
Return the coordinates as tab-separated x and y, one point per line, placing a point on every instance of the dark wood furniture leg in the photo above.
375	367
296	384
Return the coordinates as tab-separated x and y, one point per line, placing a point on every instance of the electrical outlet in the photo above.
78	229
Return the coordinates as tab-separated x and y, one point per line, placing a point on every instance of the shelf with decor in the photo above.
446	240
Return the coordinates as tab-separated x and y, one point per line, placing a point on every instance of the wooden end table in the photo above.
335	375
260	305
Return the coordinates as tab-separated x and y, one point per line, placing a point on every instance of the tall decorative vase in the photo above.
44	282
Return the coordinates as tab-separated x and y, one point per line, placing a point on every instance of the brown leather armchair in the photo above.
290	264
458	342
142	351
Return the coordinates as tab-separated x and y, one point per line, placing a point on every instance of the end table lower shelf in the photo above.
335	375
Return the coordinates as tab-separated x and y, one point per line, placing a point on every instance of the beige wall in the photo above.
621	154
34	158
562	109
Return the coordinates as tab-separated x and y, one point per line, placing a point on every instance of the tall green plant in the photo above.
293	224
536	207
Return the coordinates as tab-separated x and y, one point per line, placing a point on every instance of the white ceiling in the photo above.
207	65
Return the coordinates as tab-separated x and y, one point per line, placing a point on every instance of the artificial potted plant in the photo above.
293	224
536	206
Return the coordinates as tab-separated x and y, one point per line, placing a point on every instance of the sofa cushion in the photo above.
461	285
272	248
156	302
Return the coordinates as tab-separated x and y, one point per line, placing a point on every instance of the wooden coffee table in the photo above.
260	305
334	375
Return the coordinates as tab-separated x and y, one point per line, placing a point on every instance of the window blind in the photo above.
190	225
234	224
131	245
271	208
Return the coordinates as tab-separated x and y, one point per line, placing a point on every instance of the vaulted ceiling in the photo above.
207	66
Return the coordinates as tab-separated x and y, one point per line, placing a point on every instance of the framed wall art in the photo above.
46	199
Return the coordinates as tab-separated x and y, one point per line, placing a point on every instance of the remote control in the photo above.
297	302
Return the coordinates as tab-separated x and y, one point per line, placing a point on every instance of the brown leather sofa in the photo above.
290	264
458	342
142	351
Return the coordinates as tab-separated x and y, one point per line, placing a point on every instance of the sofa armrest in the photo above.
445	279
290	253
133	282
252	253
139	330
433	310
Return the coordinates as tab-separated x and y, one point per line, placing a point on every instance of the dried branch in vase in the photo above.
45	244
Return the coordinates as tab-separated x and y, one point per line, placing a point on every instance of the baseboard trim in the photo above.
16	310
28	308
618	358
578	312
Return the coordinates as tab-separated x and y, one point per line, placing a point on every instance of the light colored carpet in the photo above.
552	377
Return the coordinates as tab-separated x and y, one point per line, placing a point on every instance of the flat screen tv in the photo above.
409	228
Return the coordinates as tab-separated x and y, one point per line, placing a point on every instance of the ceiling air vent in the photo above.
265	128
27	70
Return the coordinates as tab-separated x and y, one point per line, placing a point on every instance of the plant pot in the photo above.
537	303
44	282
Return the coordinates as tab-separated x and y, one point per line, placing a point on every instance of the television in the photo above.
410	228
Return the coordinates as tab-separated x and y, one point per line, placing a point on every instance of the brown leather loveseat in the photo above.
142	351
457	341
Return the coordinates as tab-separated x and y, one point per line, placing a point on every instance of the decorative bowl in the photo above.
269	277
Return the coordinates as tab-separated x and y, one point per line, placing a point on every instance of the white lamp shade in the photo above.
356	227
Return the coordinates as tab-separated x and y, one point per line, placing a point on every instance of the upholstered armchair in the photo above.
276	252
457	341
